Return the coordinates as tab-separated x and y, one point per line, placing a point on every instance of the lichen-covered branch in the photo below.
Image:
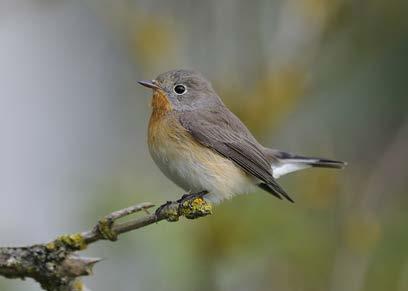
56	264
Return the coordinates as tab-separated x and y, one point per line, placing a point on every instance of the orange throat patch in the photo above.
160	107
160	103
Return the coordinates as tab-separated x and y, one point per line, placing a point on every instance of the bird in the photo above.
205	149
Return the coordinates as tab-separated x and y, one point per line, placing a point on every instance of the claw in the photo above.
161	207
170	213
192	196
191	206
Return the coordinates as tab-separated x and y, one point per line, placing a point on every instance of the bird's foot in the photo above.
193	205
191	196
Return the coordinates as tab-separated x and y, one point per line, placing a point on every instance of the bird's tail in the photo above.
283	163
318	162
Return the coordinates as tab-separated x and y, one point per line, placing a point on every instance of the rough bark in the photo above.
57	266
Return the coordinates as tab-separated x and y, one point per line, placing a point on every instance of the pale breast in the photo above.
192	166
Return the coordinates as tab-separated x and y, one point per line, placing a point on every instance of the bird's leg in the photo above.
191	196
193	205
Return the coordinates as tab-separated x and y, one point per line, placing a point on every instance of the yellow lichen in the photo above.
50	246
74	241
195	208
172	214
105	229
77	285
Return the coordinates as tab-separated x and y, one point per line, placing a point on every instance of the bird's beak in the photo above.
149	84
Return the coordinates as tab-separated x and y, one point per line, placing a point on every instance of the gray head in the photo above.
185	89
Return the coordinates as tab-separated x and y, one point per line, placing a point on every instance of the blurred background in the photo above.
316	77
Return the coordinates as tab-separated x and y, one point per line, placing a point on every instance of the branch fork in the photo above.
56	266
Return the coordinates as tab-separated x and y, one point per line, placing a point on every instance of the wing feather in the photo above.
224	133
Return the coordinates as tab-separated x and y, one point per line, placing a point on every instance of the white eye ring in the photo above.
179	87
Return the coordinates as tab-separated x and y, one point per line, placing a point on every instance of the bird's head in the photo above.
183	89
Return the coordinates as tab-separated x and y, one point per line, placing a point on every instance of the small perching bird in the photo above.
200	145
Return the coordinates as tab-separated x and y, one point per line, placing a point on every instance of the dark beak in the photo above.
149	84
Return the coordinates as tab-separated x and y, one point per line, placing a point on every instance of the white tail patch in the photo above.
288	166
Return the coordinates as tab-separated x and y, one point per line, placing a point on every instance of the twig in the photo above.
56	266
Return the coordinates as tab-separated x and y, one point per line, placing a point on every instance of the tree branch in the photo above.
56	266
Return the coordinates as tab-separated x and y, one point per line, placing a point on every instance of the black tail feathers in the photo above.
314	162
323	163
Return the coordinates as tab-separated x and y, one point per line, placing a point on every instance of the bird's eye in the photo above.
180	89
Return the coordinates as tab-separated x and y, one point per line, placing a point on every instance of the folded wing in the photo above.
224	133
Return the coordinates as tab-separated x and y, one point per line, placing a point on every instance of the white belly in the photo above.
196	168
